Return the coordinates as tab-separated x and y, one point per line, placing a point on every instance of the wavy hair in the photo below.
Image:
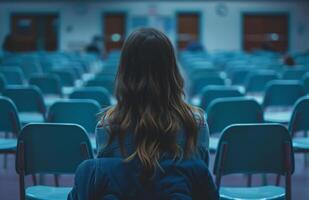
150	101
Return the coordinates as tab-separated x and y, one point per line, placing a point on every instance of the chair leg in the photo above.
34	179
249	180
278	180
56	177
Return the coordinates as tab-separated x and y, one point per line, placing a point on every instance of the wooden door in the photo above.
114	30
188	29
266	32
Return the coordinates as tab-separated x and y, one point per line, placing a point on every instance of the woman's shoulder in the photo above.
199	116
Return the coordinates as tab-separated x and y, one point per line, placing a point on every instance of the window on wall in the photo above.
31	32
188	29
266	32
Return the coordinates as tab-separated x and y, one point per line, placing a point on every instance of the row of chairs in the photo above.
248	149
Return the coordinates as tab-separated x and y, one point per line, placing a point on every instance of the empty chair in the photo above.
279	98
238	76
199	83
305	80
252	149
13	75
9	124
31	67
256	81
29	102
99	94
50	149
223	112
293	74
67	78
79	111
299	122
50	86
210	93
102	81
2	82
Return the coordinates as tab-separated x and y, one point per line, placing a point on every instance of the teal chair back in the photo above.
67	78
238	76
107	82
26	98
305	80
232	110
2	82
300	116
199	83
50	149
257	81
283	93
293	74
255	148
99	94
9	120
49	84
78	111
210	93
13	75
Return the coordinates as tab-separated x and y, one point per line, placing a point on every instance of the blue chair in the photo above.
2	83
107	82
293	74
305	80
9	124
83	112
67	78
238	76
252	149
210	93
99	94
299	122
49	84
223	112
50	149
279	98
199	83
257	81
29	102
13	75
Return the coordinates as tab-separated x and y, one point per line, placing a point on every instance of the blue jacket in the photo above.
113	179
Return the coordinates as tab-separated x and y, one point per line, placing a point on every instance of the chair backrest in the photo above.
257	81
2	82
67	78
26	98
99	94
238	76
210	93
306	82
300	116
51	148
49	84
233	110
78	111
293	74
107	82
13	75
283	93
254	148
9	120
198	84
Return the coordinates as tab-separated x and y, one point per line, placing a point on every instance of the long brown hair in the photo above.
150	101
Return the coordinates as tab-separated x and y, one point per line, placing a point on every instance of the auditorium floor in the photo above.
9	189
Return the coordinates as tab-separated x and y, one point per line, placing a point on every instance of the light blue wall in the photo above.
218	32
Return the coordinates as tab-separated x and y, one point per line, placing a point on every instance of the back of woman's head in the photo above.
149	92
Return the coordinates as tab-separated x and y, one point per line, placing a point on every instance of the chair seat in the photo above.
47	193
301	144
30	117
67	90
277	116
50	100
213	144
7	144
250	193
